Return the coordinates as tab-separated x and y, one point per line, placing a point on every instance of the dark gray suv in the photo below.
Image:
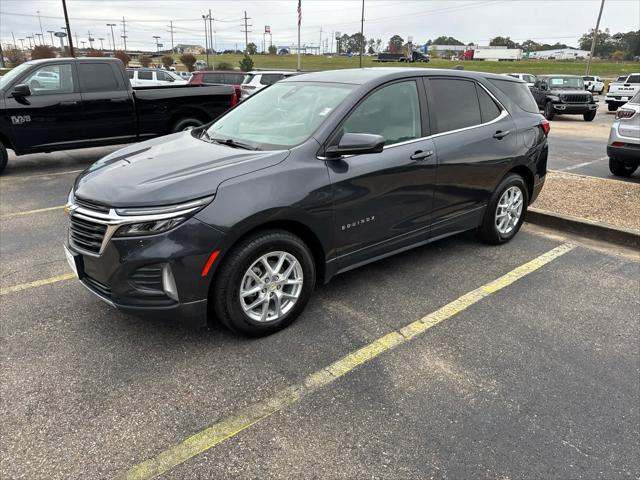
315	175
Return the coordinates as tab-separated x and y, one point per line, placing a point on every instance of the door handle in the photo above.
420	155
68	103
500	134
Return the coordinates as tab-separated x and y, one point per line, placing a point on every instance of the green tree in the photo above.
604	43
530	46
252	48
442	40
123	57
15	56
618	55
92	52
145	61
395	44
378	44
273	49
42	51
246	64
167	61
188	60
224	66
502	42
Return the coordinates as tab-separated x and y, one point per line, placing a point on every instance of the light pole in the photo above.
40	22
29	38
112	36
101	44
41	38
51	32
22	42
157	47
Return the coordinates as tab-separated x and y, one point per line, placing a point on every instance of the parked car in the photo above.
219	77
525	77
623	147
415	56
255	81
153	77
44	80
593	84
185	75
564	94
316	175
621	91
93	104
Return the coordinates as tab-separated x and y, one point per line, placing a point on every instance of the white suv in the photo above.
525	77
258	79
150	77
594	84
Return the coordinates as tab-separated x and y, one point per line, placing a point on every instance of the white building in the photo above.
560	54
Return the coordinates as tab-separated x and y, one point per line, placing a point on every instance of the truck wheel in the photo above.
548	111
620	168
186	124
505	212
264	283
4	157
588	117
612	107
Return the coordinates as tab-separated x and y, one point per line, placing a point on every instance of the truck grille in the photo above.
576	98
86	235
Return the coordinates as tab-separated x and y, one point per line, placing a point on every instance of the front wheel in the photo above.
264	283
621	168
185	124
549	113
589	116
505	212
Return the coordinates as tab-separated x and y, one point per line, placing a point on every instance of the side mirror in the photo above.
355	144
20	91
543	86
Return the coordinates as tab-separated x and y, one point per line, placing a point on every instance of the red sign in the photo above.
267	29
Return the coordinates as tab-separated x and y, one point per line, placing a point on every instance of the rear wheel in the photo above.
505	212
548	111
186	124
264	283
4	157
588	117
621	168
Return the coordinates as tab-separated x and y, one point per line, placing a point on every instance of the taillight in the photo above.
624	113
546	126
617	144
234	99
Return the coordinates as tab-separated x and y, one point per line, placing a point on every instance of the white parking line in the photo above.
580	165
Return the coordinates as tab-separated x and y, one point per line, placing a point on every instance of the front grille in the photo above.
575	98
91	206
100	288
85	234
148	279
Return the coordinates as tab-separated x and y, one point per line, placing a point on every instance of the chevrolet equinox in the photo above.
238	220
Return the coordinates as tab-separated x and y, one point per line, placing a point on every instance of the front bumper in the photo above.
574	108
156	275
618	99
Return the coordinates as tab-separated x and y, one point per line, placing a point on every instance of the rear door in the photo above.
382	201
475	140
52	115
108	110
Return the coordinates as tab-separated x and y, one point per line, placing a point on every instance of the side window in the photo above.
455	104
270	78
212	78
488	108
633	79
392	111
51	79
97	77
145	75
165	77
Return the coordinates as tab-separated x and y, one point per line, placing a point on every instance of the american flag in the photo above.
299	12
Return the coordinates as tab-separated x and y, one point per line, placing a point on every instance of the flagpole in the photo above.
299	20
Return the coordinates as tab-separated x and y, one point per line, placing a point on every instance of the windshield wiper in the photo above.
230	142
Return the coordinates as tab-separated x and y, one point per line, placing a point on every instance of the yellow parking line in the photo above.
245	418
36	283
29	212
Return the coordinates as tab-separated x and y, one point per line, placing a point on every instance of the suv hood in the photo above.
558	91
167	170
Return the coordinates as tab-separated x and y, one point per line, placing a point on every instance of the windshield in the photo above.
280	116
566	82
12	74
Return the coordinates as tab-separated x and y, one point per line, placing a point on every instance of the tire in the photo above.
588	117
548	111
186	124
601	91
612	107
620	168
4	158
488	231
233	276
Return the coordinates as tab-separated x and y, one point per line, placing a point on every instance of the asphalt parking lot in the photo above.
535	375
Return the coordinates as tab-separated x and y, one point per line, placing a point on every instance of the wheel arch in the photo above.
188	112
527	175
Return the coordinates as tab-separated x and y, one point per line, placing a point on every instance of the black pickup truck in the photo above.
66	103
564	94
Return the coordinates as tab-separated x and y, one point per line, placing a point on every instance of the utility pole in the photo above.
50	32
246	32
124	33
111	25
299	23
320	42
595	36
90	39
40	22
82	42
171	30
362	34
213	52
101	44
157	47
206	38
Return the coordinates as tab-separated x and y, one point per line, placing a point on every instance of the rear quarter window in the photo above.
518	93
270	78
634	79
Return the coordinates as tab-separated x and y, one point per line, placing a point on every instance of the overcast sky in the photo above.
545	21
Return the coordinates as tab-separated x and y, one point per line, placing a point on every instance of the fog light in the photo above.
169	283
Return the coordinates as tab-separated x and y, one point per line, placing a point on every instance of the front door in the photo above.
52	115
382	201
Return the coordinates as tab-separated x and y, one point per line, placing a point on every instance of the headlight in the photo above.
153	220
554	98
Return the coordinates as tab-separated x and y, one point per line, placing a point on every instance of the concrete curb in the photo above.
586	228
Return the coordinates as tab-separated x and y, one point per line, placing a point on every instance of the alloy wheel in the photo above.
509	210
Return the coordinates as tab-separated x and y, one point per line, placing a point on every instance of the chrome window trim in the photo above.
503	114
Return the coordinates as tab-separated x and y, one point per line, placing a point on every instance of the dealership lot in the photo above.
537	378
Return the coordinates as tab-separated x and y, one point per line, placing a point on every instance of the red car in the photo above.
218	77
